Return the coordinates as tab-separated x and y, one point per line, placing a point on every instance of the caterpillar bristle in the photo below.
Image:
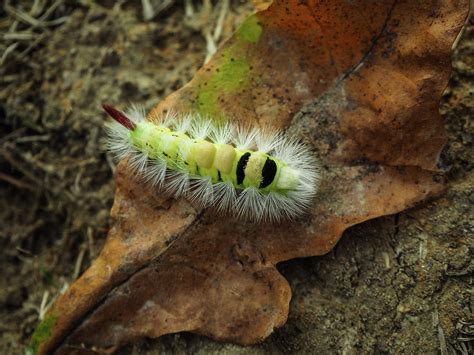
176	183
136	113
245	137
255	174
267	139
138	163
200	128
249	204
224	196
181	125
222	133
201	191
156	173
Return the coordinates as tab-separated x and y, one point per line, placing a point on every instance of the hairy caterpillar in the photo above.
257	174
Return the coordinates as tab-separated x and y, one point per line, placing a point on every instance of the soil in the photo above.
397	284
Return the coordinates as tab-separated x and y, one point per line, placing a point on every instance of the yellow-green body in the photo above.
220	162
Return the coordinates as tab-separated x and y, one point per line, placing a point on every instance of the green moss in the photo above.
41	334
250	30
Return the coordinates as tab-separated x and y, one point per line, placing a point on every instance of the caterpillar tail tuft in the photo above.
254	174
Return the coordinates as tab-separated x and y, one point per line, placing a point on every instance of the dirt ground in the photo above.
398	284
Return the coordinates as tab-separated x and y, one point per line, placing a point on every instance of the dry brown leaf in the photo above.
360	81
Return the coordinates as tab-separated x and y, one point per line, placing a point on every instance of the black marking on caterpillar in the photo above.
241	165
268	173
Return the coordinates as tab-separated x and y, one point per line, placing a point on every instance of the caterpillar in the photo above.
255	174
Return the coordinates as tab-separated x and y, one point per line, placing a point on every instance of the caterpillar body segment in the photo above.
255	174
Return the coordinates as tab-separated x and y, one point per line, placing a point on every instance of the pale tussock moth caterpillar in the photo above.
256	174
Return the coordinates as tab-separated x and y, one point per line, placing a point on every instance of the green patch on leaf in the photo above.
41	334
231	71
229	77
250	30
